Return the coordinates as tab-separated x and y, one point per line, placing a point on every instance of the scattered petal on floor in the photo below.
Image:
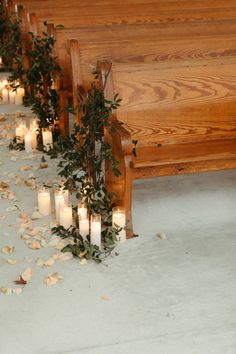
162	236
36	215
105	297
12	261
6	291
8	249
83	261
48	263
52	279
43	165
35	245
63	256
17	291
27	274
25	168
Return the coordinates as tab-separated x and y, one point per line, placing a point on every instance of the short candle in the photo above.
95	235
20	92
118	220
47	139
44	202
12	95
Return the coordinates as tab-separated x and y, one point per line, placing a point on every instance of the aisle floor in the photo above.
168	295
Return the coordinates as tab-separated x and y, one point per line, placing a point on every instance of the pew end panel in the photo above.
120	140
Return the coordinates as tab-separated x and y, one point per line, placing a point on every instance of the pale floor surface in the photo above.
159	296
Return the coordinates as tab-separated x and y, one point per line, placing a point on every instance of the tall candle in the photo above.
84	227
66	218
119	220
34	139
47	139
28	142
34	124
5	95
95	235
20	132
82	211
44	202
34	132
59	203
0	62
65	193
12	95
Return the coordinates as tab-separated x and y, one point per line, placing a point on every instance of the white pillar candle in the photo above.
47	139
18	97
95	235
119	220
44	202
34	139
66	195
82	211
59	203
28	142
20	132
4	83
84	227
34	124
12	95
0	61
66	218
5	95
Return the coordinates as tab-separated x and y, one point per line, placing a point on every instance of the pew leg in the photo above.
122	187
64	116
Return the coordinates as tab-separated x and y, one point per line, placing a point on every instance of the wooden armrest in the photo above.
122	137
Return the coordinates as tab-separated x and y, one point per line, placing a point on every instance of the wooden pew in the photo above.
182	113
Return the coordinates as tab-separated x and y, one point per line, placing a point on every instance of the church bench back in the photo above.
141	43
177	102
84	13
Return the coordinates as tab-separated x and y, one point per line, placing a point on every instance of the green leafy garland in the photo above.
82	155
39	78
10	39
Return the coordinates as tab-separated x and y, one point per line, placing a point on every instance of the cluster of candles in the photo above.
29	136
87	225
10	96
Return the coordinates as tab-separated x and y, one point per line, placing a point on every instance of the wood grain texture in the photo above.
140	45
82	14
165	103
